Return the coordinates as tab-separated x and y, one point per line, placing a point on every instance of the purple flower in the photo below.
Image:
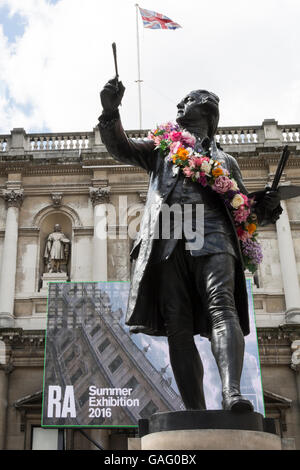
252	250
231	193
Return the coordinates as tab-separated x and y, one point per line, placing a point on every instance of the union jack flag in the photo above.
153	20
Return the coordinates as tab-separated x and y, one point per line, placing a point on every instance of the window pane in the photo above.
104	345
148	410
44	439
115	364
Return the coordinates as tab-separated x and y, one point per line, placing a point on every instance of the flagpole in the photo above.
139	66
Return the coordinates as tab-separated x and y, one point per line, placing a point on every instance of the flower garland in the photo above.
178	145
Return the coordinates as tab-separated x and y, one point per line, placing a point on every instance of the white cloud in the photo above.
247	53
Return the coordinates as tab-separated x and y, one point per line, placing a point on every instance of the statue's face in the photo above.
57	228
199	106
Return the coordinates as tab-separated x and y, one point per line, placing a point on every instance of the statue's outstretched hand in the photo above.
111	95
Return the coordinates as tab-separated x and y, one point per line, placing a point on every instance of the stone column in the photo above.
14	200
288	267
100	199
295	365
3	405
5	370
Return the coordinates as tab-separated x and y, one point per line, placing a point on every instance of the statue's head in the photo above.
199	107
57	228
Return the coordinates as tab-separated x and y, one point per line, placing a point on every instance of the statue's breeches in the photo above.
182	276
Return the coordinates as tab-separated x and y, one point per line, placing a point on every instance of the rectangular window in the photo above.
84	398
44	439
148	410
113	366
76	376
95	330
104	345
65	344
70	357
132	383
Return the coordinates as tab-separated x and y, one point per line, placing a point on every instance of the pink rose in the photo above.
175	136
188	139
188	171
222	184
241	214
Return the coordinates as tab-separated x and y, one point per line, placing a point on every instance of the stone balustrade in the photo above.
37	142
237	138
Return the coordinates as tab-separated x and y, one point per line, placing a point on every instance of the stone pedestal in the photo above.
211	439
52	277
208	430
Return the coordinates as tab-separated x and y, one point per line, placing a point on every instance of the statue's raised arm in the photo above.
135	152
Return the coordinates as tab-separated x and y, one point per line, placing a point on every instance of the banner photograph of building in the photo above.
55	189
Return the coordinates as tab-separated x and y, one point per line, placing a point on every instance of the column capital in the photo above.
100	195
13	198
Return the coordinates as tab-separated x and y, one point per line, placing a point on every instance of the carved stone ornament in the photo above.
100	195
295	361
143	197
56	199
13	198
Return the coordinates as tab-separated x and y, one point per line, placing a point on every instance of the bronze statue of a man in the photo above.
179	292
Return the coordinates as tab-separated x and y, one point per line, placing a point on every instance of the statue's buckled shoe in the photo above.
236	402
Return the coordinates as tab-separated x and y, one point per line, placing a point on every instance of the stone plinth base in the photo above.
211	439
52	277
208	430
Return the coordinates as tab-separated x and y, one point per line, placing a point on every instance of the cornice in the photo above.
21	344
275	344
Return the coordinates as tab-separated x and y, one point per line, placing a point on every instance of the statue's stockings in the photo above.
213	276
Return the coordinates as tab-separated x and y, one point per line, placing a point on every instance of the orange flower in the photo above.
182	153
217	171
251	228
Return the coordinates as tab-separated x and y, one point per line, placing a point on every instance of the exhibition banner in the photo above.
98	374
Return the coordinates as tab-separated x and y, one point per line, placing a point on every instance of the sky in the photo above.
56	55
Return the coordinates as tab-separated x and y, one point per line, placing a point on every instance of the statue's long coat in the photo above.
143	313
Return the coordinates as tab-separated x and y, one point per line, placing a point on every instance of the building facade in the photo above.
70	181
